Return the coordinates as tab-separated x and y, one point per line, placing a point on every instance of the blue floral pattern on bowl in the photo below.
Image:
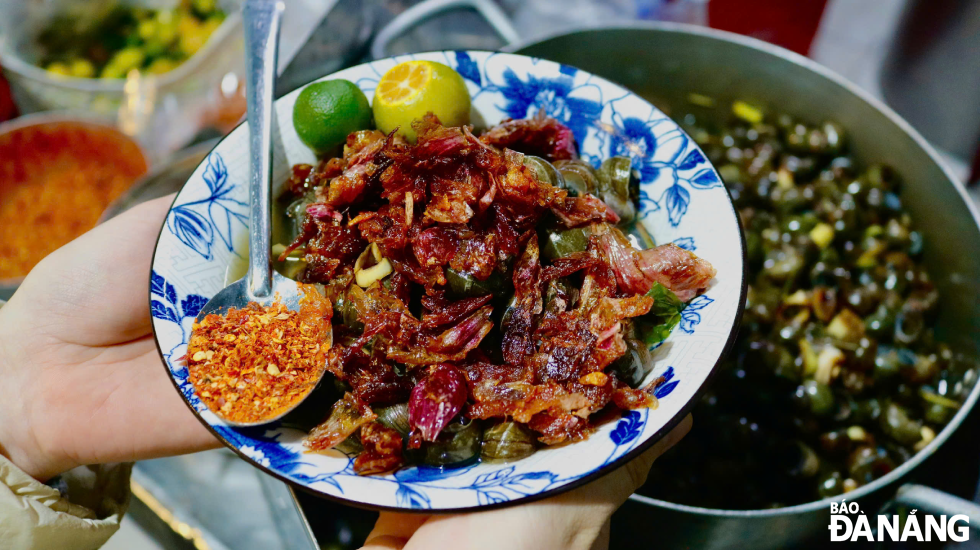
683	202
196	222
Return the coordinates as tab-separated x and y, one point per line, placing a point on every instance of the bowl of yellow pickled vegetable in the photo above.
144	62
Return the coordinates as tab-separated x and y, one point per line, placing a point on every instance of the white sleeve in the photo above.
81	516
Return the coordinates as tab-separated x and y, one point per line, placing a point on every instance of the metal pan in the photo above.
665	62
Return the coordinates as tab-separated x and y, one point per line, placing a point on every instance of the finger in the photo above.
602	541
384	542
164	425
577	519
610	492
393	530
94	291
118	409
547	524
639	468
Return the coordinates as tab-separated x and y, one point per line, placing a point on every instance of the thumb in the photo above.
638	469
393	531
94	291
611	491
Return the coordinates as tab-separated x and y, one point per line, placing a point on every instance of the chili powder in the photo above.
257	362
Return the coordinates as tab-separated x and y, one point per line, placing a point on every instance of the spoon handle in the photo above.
262	19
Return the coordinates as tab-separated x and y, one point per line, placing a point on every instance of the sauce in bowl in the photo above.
56	178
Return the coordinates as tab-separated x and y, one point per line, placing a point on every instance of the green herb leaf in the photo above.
651	329
665	314
665	302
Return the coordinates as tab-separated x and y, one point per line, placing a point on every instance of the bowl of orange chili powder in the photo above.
58	173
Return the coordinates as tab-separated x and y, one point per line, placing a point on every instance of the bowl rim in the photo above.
15	64
148	179
63	116
60	115
588	478
764	47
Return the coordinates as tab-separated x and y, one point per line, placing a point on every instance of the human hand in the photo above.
576	520
82	381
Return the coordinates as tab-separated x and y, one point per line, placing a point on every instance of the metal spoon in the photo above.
262	284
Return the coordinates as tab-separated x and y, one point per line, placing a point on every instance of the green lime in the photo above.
325	112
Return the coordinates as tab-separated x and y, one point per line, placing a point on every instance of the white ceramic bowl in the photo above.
683	201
